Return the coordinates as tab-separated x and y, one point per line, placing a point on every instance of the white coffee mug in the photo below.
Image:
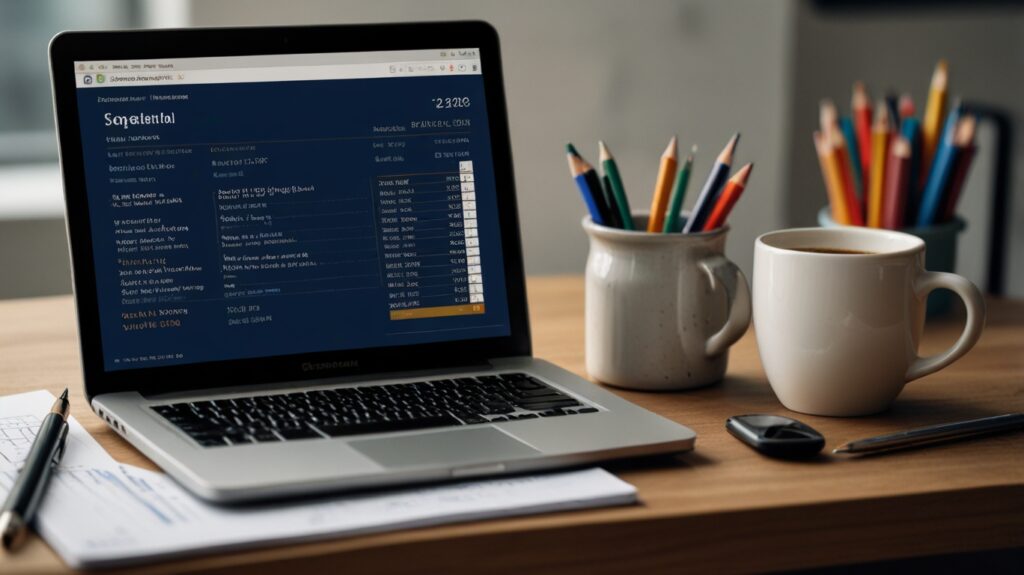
838	333
661	309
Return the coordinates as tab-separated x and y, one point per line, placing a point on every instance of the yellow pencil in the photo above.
934	112
663	188
833	183
880	133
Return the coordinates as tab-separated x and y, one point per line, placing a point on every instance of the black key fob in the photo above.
776	436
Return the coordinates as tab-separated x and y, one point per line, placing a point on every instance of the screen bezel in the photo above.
68	47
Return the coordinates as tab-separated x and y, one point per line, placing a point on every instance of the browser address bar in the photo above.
281	73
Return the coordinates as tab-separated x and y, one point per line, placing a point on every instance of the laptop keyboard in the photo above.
346	411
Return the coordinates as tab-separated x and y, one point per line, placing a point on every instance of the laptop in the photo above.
297	263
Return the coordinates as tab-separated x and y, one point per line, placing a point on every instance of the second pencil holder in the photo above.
940	243
661	309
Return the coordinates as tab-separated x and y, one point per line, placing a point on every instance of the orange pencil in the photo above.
861	107
730	195
880	134
854	208
663	188
897	177
833	184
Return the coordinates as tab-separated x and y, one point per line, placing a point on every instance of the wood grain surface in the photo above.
722	508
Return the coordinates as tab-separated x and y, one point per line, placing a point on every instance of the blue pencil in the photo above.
578	169
851	145
712	187
910	128
942	168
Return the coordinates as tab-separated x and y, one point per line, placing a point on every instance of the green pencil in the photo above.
614	182
678	193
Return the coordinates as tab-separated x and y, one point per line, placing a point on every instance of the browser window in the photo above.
256	206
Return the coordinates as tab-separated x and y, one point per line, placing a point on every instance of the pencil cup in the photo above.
661	309
940	243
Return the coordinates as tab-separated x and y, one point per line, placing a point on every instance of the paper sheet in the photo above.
100	513
20	418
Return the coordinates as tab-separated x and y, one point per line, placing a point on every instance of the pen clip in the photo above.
61	445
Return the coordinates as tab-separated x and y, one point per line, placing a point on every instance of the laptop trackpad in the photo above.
444	447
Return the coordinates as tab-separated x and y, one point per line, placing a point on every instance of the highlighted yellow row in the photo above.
438	311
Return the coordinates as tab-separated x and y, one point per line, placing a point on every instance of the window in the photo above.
26	26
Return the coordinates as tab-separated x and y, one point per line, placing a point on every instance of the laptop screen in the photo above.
257	206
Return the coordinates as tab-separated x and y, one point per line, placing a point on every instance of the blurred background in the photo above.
631	73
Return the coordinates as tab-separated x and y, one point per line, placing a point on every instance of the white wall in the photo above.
632	73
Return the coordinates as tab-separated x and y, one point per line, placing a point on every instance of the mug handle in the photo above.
975	304
721	271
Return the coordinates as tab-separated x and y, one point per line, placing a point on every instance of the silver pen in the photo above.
934	434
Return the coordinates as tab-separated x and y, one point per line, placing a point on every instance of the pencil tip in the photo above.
744	173
730	148
571	149
65	394
603	151
671	151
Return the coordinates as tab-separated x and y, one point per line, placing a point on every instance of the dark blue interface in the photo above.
255	219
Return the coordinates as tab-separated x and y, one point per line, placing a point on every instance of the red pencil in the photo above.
897	175
861	106
906	107
730	195
965	153
854	207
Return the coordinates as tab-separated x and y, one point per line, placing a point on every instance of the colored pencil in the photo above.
879	150
663	187
931	126
894	113
854	206
850	135
897	171
678	193
612	216
728	198
830	173
911	130
906	108
709	193
578	168
965	153
861	109
614	186
939	174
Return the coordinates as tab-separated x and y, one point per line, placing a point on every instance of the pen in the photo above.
30	485
934	434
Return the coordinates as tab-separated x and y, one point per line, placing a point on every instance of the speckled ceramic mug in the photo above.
661	309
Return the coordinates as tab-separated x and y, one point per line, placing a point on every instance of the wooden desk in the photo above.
721	508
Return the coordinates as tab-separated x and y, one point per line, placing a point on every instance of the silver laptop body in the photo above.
248	368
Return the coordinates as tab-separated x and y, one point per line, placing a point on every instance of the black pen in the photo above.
27	492
934	434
